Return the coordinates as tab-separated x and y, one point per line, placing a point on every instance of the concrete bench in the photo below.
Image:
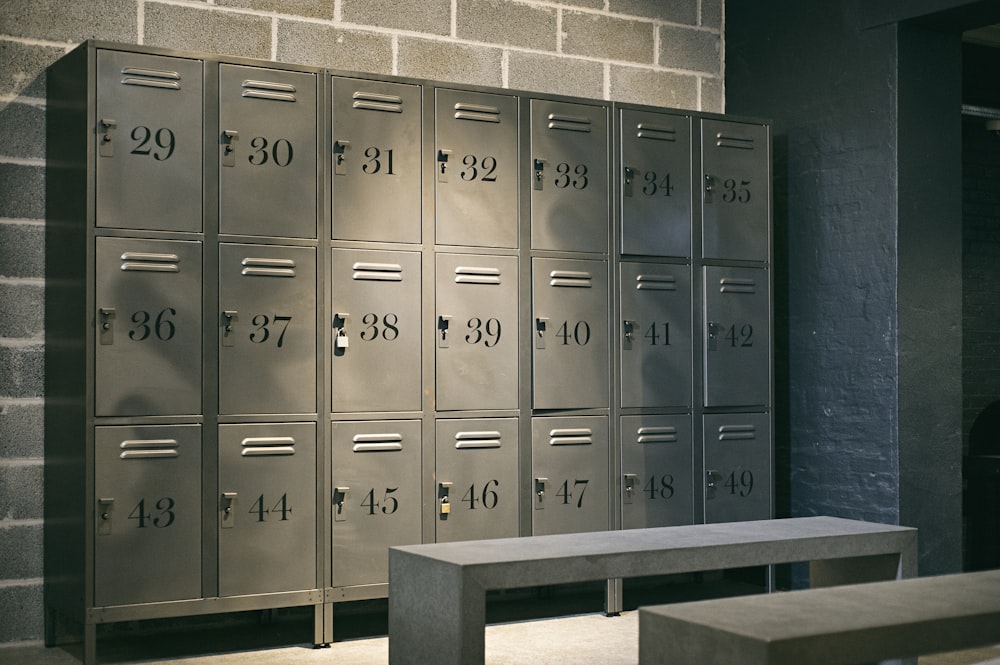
437	591
843	625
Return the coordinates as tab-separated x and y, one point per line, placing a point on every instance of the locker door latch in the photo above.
107	146
106	325
628	488
540	493
537	180
444	322
713	335
228	516
229	139
105	516
340	148
627	181
540	324
443	165
339	497
340	339
709	187
228	316
628	332
712	480
444	500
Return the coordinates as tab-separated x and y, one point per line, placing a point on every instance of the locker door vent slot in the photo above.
738	142
737	432
377	443
570	278
477	112
735	285
473	275
151	78
655	132
267	445
278	92
375	101
656	435
570	123
656	283
268	267
149	448
378	272
466	440
146	262
571	437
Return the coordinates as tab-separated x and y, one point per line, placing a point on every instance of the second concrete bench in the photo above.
437	591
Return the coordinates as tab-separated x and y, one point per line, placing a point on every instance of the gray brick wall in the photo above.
659	52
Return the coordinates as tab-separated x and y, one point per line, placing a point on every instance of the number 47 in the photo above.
566	495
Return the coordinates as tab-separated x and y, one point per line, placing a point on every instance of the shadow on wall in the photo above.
982	491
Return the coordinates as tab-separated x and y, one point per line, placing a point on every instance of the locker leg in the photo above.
613	601
321	636
89	643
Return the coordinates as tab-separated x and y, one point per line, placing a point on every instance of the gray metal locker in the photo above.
477	332
569	176
476	479
149	142
657	481
569	469
376	331
737	467
376	160
736	183
376	497
267	329
148	343
267	152
147	493
737	337
570	330
655	183
476	163
267	508
656	348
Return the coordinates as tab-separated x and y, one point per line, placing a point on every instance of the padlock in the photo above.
343	341
445	506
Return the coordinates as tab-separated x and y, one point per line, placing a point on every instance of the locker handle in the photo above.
442	158
107	328
229	139
713	335
105	511
228	316
107	146
709	187
341	341
712	478
444	321
628	331
629	178
540	324
340	148
444	500
339	498
228	501
539	173
540	492
629	487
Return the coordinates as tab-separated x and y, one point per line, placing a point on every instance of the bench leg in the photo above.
452	633
855	570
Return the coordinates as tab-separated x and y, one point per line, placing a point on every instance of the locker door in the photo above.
267	508
570	311
376	329
569	462
267	152
147	493
736	184
477	332
477	488
569	178
477	169
148	351
655	183
737	467
376	160
376	497
657	465
737	331
655	335
149	142
267	329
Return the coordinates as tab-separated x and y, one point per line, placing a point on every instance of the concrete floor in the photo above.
582	639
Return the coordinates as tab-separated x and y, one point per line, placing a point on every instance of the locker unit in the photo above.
299	316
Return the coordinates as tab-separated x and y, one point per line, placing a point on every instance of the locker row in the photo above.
148	540
148	359
182	145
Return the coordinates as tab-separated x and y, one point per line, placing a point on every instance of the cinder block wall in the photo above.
659	52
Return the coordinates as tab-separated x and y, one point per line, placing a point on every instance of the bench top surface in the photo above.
612	543
922	603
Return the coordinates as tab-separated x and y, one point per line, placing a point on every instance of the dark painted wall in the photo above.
867	198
